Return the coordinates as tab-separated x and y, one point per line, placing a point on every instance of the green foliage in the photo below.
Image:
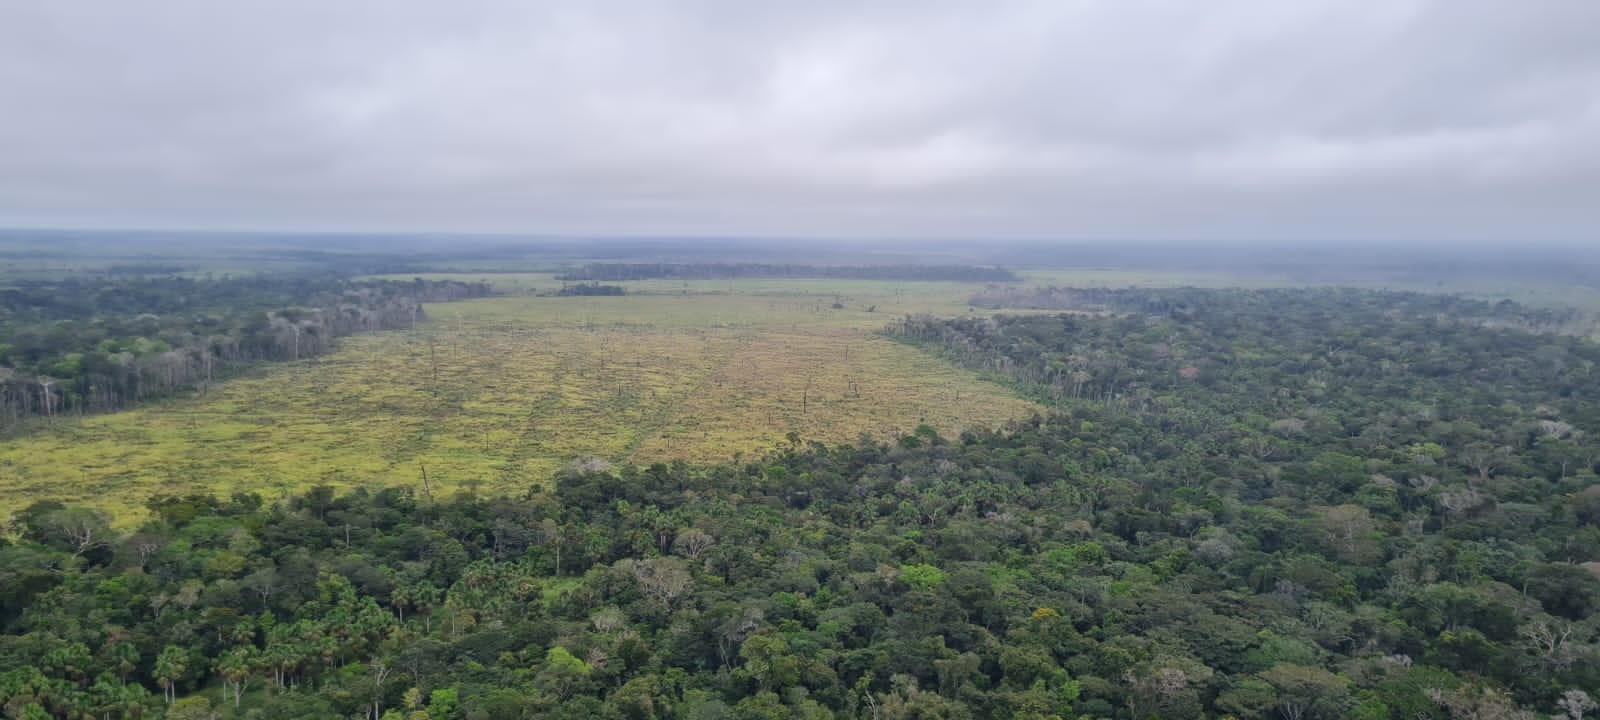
442	703
922	577
560	660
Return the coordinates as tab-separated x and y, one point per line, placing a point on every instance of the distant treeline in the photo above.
1256	348
728	271
87	345
145	269
589	289
83	297
1188	302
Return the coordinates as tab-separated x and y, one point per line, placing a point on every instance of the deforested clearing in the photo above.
499	394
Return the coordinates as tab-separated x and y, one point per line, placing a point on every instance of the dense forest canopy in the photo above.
1331	304
1284	504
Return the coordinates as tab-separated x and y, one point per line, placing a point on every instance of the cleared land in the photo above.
500	393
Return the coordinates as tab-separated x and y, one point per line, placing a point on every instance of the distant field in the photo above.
503	392
950	297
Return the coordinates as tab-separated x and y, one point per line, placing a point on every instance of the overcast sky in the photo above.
1443	120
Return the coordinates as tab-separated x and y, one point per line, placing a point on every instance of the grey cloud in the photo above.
1433	120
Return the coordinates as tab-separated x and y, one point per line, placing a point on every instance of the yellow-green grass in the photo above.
502	392
712	305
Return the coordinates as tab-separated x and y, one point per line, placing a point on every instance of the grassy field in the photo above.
500	393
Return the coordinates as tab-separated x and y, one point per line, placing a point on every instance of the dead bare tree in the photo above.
692	541
1551	642
380	672
1484	459
1575	704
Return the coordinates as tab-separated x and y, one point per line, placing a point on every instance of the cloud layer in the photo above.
1431	120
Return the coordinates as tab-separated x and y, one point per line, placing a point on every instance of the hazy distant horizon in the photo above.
1306	250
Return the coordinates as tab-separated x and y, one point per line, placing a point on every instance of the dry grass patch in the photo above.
827	385
503	392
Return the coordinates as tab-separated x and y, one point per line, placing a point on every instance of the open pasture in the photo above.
501	393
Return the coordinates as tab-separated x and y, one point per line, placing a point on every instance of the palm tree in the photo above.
170	667
72	661
125	658
235	668
131	700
